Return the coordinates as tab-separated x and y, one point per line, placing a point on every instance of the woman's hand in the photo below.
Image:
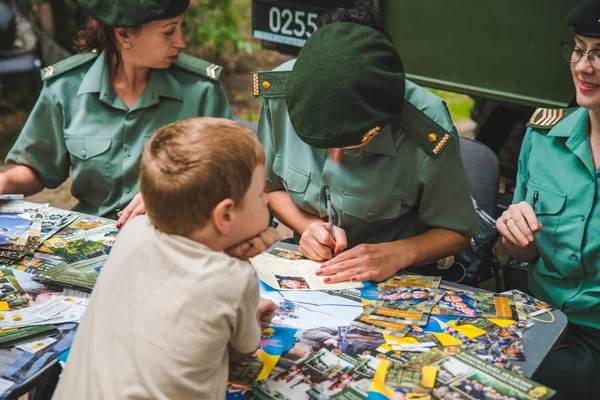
316	243
518	224
254	246
265	312
365	262
134	208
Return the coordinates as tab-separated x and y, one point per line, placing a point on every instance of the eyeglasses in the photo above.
573	54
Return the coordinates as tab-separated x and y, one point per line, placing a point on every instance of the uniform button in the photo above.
370	215
129	116
583	217
84	152
127	152
575	257
127	189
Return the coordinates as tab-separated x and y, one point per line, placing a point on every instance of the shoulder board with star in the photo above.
426	132
67	64
269	84
547	118
197	66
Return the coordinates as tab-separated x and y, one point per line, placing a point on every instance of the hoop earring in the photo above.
126	45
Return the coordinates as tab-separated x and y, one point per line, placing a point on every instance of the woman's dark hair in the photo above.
101	37
363	12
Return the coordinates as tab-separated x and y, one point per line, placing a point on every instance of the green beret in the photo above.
346	85
133	13
585	18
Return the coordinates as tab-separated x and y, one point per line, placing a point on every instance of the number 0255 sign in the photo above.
284	22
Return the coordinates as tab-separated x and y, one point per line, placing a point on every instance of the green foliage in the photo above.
459	104
217	24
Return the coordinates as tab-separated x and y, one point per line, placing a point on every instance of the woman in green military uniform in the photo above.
343	115
98	108
554	222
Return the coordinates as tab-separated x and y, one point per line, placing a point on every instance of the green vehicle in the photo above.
505	54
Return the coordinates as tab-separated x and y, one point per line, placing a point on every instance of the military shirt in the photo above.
80	124
558	164
389	190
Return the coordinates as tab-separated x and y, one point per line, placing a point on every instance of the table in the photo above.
538	340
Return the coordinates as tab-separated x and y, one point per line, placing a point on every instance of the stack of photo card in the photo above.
476	305
16	336
450	373
20	229
404	300
84	247
56	219
36	263
59	309
504	342
327	373
528	306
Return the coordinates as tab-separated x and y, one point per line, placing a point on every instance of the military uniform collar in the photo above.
383	143
573	126
161	84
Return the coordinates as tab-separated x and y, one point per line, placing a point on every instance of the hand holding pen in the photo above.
322	240
519	223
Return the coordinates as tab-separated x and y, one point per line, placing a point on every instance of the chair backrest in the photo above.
482	169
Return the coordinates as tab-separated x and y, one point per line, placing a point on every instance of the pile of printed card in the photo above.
414	338
44	251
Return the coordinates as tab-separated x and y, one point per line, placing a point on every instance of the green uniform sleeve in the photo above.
446	202
216	103
41	144
266	138
523	173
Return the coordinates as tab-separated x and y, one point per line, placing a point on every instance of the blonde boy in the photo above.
170	309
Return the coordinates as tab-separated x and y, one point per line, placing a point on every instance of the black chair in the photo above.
482	170
28	60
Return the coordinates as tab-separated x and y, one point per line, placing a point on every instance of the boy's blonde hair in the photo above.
189	166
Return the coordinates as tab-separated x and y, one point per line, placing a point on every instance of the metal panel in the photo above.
504	50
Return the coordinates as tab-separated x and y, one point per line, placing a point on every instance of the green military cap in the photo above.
132	13
346	85
585	18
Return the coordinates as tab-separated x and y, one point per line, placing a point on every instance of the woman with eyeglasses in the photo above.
554	222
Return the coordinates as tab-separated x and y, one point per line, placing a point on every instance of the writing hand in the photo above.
317	244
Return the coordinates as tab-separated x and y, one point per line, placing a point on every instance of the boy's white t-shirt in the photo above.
160	320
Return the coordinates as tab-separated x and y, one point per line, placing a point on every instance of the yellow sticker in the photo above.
429	374
4	306
394	341
447	340
502	322
470	331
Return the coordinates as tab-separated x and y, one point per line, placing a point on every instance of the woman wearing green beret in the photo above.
554	222
98	108
343	115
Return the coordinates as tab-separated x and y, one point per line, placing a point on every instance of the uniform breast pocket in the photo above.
90	162
295	180
371	209
550	208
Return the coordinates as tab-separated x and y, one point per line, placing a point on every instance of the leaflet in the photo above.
285	273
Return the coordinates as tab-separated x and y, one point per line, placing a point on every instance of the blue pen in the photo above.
329	211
